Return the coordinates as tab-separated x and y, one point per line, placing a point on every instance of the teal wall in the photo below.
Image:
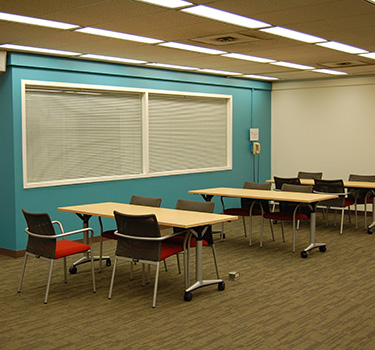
251	108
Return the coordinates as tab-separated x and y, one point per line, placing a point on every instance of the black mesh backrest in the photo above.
41	224
331	186
360	193
138	226
309	175
290	206
279	181
147	201
207	207
246	202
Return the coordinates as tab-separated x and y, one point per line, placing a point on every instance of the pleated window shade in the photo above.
187	133
77	135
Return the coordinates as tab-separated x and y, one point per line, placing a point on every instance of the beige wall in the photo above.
323	125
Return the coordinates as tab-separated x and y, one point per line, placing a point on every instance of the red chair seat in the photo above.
242	211
362	200
169	249
66	248
285	216
349	201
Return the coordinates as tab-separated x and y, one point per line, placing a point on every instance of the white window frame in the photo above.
145	132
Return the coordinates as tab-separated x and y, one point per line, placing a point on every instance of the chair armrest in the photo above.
155	239
59	224
62	235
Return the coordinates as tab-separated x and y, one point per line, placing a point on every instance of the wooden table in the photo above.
166	217
298	197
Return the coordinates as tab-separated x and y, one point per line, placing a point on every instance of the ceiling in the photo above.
350	22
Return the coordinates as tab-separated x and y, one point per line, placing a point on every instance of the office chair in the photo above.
246	203
334	187
45	244
362	196
139	240
290	211
110	234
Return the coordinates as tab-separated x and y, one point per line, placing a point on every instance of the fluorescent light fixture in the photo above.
169	3
259	77
39	50
334	45
329	71
221	72
224	16
291	65
171	66
118	35
292	34
248	58
35	21
369	55
194	48
112	59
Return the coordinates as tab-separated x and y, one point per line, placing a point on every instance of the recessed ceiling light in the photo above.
112	59
329	71
118	35
172	66
35	21
192	48
369	55
224	16
292	65
334	45
215	71
260	77
292	34
248	58
39	50
169	3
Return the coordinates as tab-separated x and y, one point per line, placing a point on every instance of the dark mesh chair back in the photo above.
146	201
138	226
246	202
360	193
309	175
289	206
279	181
40	223
207	207
331	186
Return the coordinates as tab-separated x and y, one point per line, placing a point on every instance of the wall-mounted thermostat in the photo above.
254	134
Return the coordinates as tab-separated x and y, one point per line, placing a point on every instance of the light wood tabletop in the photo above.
165	216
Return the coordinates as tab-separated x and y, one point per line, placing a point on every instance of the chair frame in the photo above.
63	235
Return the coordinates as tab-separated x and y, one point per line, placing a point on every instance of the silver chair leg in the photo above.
222	232
22	272
131	271
342	220
48	281
65	274
178	264
112	278
244	225
100	253
282	231
165	265
93	272
156	284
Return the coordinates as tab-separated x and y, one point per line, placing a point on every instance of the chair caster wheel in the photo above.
73	270
369	231
188	296
221	285
108	262
322	248
304	254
